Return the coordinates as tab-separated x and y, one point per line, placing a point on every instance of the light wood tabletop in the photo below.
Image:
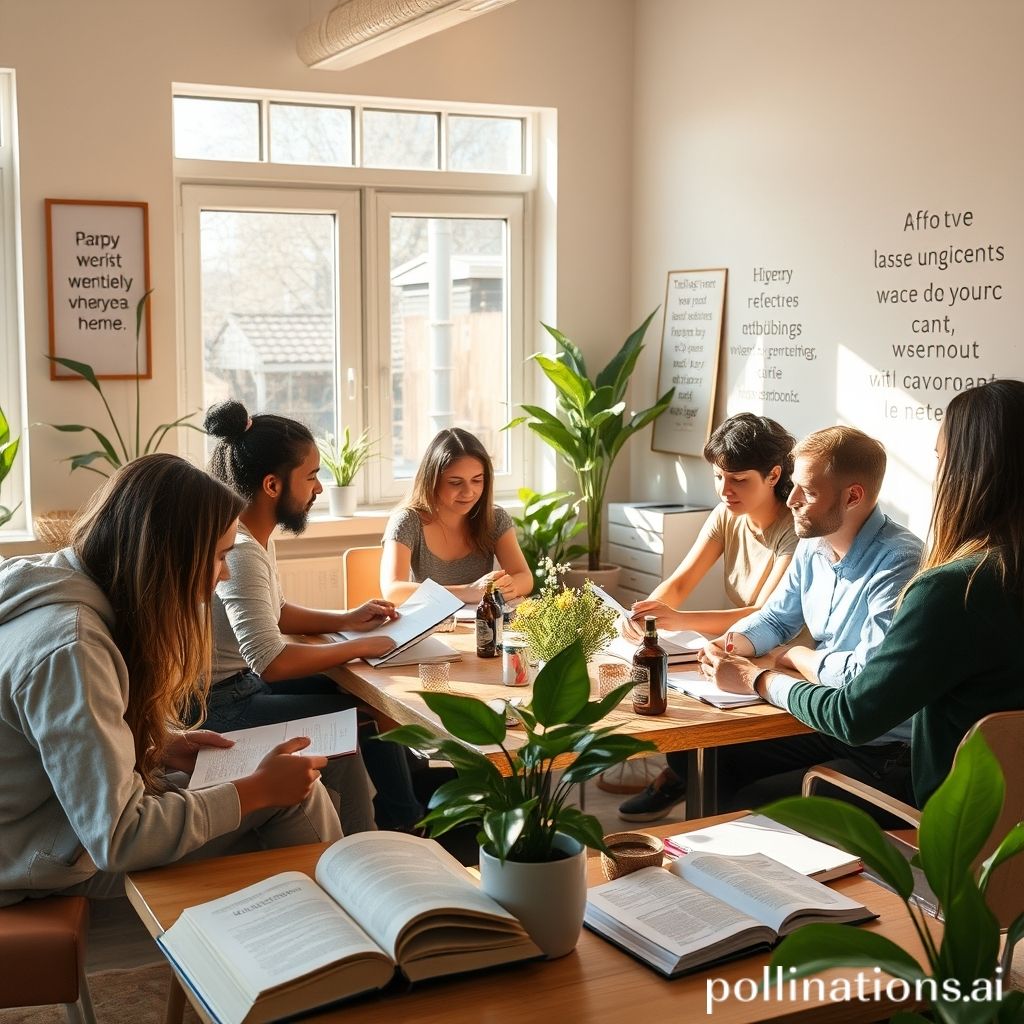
596	983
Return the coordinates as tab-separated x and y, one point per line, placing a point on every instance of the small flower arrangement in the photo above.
555	618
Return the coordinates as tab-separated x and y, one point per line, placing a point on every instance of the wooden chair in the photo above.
361	575
1004	733
42	949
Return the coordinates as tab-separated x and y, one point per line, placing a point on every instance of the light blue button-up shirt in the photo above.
847	605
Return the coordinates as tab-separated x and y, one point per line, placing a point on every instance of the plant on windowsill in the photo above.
532	857
546	527
955	825
343	458
8	453
594	426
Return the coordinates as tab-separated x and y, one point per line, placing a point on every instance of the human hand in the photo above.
369	647
731	672
370	614
633	627
502	581
284	778
181	750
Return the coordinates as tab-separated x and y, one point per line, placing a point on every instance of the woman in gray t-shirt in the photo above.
450	530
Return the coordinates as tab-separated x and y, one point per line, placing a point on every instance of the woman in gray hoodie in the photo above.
101	645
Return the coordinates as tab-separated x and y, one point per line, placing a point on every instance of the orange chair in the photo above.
42	949
361	575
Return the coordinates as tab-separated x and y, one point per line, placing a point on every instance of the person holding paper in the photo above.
102	646
752	531
950	656
449	530
260	678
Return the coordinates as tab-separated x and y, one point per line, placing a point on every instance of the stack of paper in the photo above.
698	686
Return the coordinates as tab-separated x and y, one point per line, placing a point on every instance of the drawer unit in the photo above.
649	539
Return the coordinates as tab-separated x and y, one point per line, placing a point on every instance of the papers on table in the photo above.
331	735
697	685
682	646
427	651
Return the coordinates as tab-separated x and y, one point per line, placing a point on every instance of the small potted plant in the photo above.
8	453
532	840
546	527
344	458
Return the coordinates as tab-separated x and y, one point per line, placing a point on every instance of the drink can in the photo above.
515	665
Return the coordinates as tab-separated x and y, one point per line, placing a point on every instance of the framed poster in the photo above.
691	338
97	261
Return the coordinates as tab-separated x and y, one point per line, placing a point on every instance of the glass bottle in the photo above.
489	622
652	700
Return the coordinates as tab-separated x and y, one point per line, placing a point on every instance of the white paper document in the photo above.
331	735
697	685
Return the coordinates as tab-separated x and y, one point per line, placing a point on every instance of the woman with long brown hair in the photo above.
103	647
449	528
953	652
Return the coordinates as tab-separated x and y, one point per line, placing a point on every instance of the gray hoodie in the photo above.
71	802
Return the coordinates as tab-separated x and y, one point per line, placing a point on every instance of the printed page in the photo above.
696	684
332	735
386	879
761	887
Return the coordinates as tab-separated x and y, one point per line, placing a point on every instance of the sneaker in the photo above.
656	801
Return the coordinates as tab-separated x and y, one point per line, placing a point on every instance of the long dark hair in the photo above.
449	446
149	541
746	441
254	447
979	492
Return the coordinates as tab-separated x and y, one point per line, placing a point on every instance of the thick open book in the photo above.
754	833
381	900
421	613
333	735
695	684
706	908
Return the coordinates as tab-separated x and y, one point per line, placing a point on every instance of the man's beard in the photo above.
290	516
830	522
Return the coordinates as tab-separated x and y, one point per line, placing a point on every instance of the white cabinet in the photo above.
649	539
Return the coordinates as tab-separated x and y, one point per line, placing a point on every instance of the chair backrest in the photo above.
1004	733
361	571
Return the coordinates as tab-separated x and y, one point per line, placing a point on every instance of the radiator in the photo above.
311	582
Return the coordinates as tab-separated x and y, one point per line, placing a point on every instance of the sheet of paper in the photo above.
607	599
696	684
330	736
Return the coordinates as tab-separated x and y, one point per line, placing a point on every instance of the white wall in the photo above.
797	135
94	91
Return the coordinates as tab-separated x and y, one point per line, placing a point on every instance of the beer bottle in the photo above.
489	622
652	698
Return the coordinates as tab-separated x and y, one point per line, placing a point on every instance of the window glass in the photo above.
210	129
485	144
395	138
310	135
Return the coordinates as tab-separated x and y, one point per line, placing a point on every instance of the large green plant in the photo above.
8	453
129	444
546	527
344	457
594	426
955	825
520	812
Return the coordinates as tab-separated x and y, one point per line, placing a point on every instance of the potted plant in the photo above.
344	458
532	840
8	453
594	426
955	826
545	527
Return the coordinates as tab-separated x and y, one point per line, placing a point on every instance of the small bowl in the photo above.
633	851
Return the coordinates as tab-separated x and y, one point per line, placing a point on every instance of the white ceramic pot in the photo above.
549	898
342	500
607	577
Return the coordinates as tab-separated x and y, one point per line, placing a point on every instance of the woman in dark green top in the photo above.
954	652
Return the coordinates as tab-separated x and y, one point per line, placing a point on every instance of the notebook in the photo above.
697	685
428	651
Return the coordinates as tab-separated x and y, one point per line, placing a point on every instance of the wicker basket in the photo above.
633	851
55	528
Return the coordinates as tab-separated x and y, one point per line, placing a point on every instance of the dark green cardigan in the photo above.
947	660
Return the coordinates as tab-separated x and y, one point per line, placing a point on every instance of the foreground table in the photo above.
596	983
687	725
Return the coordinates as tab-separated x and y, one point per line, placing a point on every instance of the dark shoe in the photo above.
656	801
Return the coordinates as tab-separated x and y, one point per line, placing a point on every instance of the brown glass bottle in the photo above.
489	622
652	698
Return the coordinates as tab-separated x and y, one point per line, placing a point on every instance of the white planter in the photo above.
342	500
549	899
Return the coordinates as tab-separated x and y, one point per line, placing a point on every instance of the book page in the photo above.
332	735
760	887
697	685
387	879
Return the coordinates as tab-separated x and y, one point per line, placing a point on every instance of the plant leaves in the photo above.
970	937
5	428
595	710
503	828
820	947
84	370
1012	844
8	453
618	371
570	351
458	791
467	718
73	428
1013	935
849	828
605	753
164	428
584	828
576	390
438	823
561	688
86	460
416	737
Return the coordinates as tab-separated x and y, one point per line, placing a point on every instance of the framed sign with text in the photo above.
97	258
691	338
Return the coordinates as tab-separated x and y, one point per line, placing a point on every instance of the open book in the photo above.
421	613
706	908
697	685
681	645
333	735
381	900
428	651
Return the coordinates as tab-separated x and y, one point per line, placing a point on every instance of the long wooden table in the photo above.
688	725
597	983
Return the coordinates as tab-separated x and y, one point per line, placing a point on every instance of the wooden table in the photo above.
687	725
596	983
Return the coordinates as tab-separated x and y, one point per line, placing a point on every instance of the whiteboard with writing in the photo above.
98	258
690	342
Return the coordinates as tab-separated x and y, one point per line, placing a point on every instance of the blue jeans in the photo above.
244	700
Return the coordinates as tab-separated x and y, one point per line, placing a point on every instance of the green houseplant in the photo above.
127	444
594	426
8	453
955	825
532	840
343	458
546	527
